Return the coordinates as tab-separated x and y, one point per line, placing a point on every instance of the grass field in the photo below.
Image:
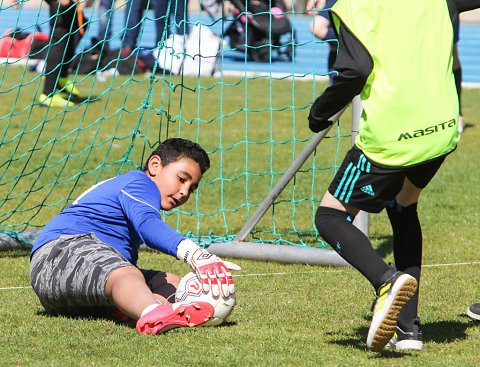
287	315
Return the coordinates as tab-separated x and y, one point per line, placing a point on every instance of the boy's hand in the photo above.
317	125
211	270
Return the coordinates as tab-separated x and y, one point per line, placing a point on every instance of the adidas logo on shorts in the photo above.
368	190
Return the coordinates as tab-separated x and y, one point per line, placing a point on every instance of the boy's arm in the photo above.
354	65
139	202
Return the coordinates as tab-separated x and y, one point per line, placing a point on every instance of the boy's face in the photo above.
176	181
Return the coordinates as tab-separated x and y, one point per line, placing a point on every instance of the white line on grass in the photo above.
301	272
454	264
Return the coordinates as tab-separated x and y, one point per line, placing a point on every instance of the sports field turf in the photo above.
287	315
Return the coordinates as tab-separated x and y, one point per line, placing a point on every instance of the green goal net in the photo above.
246	102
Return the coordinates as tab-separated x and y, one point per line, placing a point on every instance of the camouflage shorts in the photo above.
69	274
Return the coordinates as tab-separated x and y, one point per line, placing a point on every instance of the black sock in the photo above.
407	250
337	229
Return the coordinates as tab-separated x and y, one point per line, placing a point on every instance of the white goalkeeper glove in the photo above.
213	273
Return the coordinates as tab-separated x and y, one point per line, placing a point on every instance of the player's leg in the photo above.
127	290
160	9
61	23
361	185
64	83
407	251
334	221
393	288
133	22
181	17
105	13
407	247
81	275
162	284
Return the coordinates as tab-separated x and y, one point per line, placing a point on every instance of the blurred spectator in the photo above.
105	11
163	10
67	28
320	27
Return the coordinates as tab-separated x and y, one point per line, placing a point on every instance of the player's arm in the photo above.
145	219
211	270
143	215
354	65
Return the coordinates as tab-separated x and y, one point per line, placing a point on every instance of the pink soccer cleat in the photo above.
180	314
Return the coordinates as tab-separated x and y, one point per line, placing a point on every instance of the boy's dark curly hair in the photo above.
171	150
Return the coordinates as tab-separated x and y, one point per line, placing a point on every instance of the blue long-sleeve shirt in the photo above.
123	212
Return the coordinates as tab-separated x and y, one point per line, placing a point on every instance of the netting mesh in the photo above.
244	100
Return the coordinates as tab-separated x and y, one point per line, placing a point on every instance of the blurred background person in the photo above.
105	13
321	28
163	11
67	27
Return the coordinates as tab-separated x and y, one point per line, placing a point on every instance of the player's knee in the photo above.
395	210
165	285
173	279
326	217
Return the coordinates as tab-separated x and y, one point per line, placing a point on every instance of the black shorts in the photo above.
368	186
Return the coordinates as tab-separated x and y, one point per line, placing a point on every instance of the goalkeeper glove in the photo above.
213	273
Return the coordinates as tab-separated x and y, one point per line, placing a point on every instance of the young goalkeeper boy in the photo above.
408	127
84	261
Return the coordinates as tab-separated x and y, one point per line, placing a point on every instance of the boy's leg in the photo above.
55	59
335	225
69	274
148	286
163	285
360	184
181	17
407	244
81	275
393	288
127	291
59	53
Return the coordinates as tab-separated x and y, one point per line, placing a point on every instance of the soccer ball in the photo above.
190	290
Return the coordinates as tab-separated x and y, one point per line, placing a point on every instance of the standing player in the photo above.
398	56
67	27
84	261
